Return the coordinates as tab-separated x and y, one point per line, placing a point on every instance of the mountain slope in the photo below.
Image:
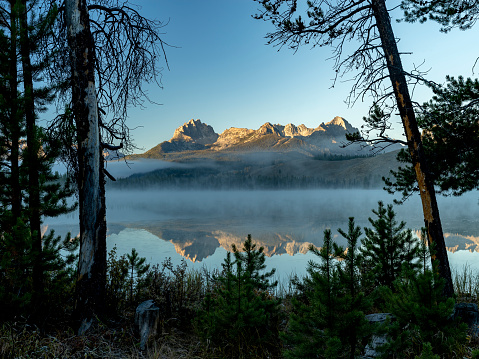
273	156
197	136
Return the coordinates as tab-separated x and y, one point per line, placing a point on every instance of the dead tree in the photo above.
375	60
113	51
92	261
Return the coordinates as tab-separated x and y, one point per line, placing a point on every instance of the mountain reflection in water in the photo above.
202	225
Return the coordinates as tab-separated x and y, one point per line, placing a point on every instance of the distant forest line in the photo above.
213	178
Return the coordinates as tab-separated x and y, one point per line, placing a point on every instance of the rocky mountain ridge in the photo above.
198	136
273	156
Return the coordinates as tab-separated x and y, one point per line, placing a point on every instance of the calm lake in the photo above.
200	226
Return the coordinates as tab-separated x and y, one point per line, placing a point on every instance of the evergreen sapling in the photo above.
328	316
387	247
241	316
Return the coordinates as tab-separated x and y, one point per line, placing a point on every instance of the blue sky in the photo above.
223	73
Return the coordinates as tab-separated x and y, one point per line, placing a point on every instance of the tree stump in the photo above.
147	316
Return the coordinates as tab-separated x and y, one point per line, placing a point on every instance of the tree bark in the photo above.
90	291
15	121
33	148
426	186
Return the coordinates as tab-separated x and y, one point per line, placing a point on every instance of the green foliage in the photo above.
328	316
137	269
59	259
387	247
450	138
333	157
127	280
177	291
241	316
15	267
423	318
354	301
36	272
234	175
117	289
17	259
427	353
466	283
449	14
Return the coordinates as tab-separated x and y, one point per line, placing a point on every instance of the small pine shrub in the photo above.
386	248
427	353
424	326
16	264
241	316
137	274
58	261
116	282
127	281
328	315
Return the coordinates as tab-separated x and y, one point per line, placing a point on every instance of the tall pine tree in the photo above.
29	260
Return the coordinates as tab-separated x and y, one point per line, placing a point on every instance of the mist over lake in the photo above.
200	226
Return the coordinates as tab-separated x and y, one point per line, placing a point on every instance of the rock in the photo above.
85	326
377	340
147	316
469	314
196	136
195	131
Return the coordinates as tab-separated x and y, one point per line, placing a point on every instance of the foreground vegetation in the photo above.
239	312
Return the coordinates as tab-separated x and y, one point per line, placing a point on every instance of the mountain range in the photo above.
197	136
273	156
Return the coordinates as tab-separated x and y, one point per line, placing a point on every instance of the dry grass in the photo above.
466	284
23	341
110	342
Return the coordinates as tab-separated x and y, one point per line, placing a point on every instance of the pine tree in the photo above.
423	318
450	137
241	316
137	269
354	324
312	322
328	317
31	263
427	353
320	23
14	236
387	247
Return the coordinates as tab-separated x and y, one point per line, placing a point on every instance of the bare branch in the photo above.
111	147
108	174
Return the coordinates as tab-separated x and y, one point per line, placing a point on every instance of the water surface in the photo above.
200	226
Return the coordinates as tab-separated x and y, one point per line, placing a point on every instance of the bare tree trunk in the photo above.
32	158
92	262
404	103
